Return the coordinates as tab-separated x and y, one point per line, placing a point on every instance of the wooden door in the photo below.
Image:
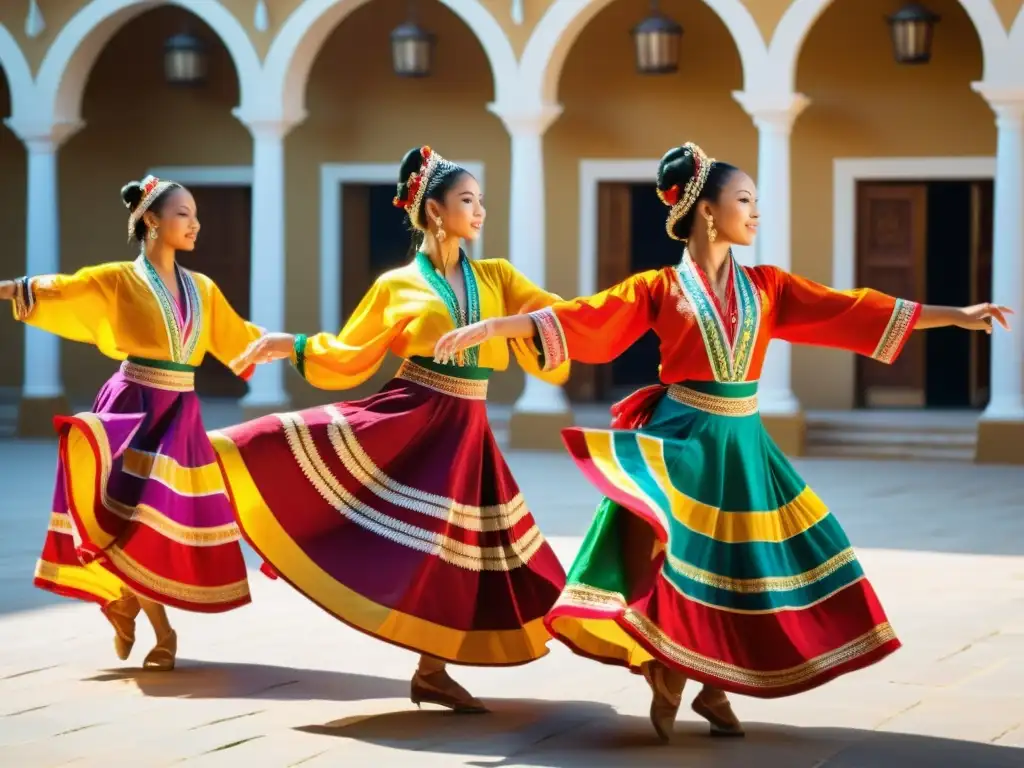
355	247
891	251
223	253
982	222
589	383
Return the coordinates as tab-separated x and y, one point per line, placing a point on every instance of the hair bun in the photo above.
676	168
411	162
131	194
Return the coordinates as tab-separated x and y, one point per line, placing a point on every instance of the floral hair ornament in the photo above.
416	185
681	204
152	188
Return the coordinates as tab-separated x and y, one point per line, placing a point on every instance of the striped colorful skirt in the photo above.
711	555
140	501
398	515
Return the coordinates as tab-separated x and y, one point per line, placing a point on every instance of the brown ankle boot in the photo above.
713	705
667	689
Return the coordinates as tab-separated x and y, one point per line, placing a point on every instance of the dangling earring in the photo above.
152	234
712	232
440	234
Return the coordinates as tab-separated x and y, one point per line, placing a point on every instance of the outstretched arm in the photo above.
329	361
77	307
593	329
864	321
978	317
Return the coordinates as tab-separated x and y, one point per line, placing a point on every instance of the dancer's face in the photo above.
177	221
462	212
735	212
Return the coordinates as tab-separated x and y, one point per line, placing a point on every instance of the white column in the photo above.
1006	399
774	120
42	377
267	282
526	128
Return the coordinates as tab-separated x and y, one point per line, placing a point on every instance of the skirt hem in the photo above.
91	551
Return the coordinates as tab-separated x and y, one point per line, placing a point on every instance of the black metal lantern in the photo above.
656	42
912	28
412	48
185	60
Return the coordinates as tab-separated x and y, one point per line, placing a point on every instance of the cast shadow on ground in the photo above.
194	679
552	734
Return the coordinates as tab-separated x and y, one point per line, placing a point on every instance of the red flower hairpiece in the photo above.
669	196
412	186
150	186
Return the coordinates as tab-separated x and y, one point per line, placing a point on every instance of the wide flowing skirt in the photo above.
713	556
398	515
139	501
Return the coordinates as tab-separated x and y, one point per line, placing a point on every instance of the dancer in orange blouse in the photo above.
711	558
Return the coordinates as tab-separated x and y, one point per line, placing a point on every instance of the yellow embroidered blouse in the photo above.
408	309
125	310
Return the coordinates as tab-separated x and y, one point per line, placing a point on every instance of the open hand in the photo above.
980	316
266	349
453	342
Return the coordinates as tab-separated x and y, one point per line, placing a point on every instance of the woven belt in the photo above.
158	378
455	386
714	404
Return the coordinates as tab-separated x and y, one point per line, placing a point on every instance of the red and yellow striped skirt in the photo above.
398	515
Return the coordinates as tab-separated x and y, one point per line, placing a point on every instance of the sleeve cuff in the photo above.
24	298
299	354
901	325
550	339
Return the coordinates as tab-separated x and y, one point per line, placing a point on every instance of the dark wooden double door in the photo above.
931	242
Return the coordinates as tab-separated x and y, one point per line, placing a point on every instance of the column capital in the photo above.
1007	101
263	126
532	119
43	135
774	110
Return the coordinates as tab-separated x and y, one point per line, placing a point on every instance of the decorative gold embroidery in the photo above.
765	679
714	404
158	378
552	338
505	557
359	464
147	515
591	597
896	331
467	389
188	593
767	584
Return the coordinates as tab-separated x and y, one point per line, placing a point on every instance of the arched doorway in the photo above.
892	158
361	119
618	131
136	122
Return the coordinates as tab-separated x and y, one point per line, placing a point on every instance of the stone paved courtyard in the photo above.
279	683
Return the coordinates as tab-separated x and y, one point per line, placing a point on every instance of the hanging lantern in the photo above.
656	41
185	60
411	48
912	28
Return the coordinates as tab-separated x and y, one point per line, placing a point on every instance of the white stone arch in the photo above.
800	17
296	45
16	69
70	58
1016	52
556	32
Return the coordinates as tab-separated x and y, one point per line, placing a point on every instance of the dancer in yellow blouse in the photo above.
140	516
398	514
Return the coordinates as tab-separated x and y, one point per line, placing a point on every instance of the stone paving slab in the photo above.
280	683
